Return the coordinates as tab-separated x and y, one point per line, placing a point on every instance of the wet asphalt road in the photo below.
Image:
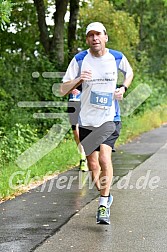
30	219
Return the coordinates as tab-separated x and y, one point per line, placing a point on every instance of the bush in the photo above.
15	141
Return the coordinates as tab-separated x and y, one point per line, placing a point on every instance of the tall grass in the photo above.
12	178
135	125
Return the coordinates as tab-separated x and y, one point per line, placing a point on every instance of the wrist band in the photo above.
124	87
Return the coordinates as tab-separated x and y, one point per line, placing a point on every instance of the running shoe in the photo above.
83	165
103	215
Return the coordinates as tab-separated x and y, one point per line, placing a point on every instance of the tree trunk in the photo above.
43	29
54	47
72	45
57	44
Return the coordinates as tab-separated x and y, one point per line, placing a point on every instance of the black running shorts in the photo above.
91	137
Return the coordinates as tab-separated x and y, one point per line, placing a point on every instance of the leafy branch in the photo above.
5	12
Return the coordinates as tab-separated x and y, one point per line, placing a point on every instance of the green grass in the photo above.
135	125
66	155
62	158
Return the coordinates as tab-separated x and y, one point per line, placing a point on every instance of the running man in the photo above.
97	130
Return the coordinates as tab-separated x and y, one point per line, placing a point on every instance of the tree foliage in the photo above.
5	12
122	37
151	18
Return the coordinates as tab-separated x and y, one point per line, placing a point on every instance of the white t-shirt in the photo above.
97	98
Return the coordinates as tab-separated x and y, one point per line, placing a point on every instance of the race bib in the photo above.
101	99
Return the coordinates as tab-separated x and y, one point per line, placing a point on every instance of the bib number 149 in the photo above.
102	100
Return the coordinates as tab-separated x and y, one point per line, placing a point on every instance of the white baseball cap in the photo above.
95	26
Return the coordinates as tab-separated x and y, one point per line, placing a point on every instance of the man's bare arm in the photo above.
68	86
128	80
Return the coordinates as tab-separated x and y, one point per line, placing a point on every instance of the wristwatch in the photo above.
124	87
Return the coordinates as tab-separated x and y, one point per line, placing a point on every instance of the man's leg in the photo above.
100	165
73	112
94	167
76	138
106	175
83	163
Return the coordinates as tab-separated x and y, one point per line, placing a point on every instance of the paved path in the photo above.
50	219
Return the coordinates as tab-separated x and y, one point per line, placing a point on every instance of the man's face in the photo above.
96	41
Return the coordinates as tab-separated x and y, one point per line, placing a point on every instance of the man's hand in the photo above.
86	75
118	95
67	87
75	91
